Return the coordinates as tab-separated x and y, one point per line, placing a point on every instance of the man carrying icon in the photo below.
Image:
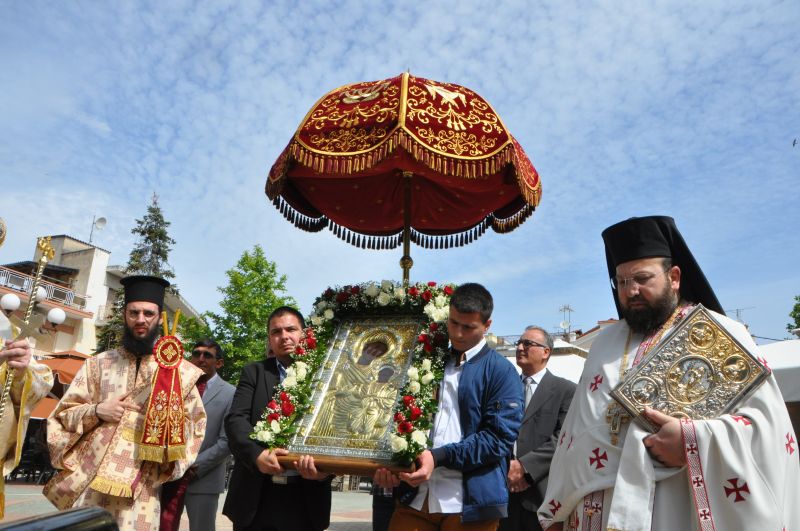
131	420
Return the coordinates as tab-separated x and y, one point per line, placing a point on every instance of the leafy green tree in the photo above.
149	256
254	289
795	315
192	330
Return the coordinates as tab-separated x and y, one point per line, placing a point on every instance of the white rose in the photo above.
371	290
399	292
413	387
316	320
413	373
441	314
419	437
275	426
328	314
430	310
289	381
301	374
399	444
427	378
387	285
426	365
384	299
440	301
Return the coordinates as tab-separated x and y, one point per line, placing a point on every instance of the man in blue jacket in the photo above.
460	482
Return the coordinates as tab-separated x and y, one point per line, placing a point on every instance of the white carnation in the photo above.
440	301
289	381
316	320
419	437
413	387
301	374
441	314
426	365
427	378
399	292
290	371
384	299
387	285
264	436
371	290
399	444
275	426
430	310
328	314
413	373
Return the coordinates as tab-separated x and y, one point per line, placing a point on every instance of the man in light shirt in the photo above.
460	483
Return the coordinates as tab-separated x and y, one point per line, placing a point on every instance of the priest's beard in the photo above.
140	347
646	320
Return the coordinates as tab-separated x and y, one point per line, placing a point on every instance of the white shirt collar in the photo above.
468	355
537	377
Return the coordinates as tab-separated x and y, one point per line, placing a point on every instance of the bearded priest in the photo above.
739	471
131	420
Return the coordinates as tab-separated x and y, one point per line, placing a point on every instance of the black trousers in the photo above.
519	518
282	508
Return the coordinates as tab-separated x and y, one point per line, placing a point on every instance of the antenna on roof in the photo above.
97	223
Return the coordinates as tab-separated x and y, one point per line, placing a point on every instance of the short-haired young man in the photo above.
461	480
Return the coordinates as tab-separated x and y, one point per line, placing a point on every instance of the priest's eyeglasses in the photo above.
527	343
639	279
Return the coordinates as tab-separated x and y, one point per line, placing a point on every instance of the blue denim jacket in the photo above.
490	406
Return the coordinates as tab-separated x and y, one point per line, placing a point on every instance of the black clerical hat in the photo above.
657	236
144	288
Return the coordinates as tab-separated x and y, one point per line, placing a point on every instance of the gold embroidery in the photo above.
156	418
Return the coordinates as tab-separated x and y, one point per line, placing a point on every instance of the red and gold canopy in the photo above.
366	152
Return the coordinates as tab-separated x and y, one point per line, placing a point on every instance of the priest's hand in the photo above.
267	461
385	479
111	409
666	445
17	354
423	473
308	469
516	477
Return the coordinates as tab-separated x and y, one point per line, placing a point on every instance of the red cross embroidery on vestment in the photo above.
790	443
561	441
570	443
554	506
691	448
743	420
765	364
596	382
697	481
737	490
598	459
705	514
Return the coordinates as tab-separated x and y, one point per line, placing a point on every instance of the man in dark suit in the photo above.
262	495
200	487
547	400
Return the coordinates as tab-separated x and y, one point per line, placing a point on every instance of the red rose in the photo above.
299	350
427	347
415	413
355	290
432	283
413	291
311	342
448	290
272	405
341	297
399	417
426	295
287	408
273	416
284	396
434	327
408	400
405	427
422	338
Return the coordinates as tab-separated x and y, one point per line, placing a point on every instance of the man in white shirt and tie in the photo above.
547	400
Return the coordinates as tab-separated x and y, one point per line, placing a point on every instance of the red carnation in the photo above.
284	396
405	427
413	291
432	283
311	342
299	350
415	413
448	290
272	405
287	408
399	417
434	327
408	400
426	295
273	416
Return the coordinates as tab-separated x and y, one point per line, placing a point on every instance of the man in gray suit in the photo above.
205	479
547	400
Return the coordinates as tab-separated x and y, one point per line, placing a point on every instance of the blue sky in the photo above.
680	108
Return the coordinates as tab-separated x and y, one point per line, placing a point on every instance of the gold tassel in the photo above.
112	488
150	453
175	453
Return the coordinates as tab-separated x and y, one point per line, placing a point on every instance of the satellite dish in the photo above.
100	223
564	324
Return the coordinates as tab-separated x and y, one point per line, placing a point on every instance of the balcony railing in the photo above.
59	294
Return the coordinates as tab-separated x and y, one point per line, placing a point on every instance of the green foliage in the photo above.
192	330
149	256
795	315
254	289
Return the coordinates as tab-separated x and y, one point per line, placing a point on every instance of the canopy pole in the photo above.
406	262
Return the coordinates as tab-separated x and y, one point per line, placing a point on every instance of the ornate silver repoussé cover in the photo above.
698	371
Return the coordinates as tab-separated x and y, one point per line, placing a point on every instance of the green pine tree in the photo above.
149	256
795	315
